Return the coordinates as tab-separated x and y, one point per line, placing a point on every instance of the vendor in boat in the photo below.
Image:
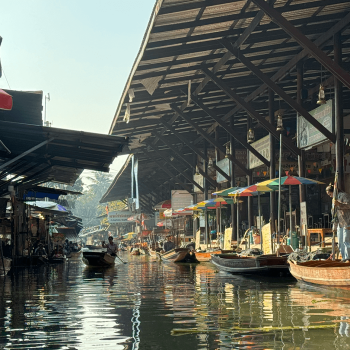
112	248
169	244
40	250
343	221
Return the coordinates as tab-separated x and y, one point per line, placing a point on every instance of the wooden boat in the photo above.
206	256
183	255
322	272
5	263
93	247
57	259
135	251
267	264
98	259
74	255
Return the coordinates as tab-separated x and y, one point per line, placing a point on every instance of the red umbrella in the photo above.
5	100
163	205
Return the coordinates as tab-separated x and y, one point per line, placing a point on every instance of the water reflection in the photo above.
146	304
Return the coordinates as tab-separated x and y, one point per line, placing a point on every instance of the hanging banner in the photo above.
116	217
200	181
136	170
308	135
180	199
224	165
263	147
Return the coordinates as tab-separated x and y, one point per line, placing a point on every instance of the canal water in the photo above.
146	304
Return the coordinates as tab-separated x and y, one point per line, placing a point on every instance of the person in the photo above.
40	250
342	203
168	245
112	248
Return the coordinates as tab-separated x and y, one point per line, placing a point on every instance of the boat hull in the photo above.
326	273
179	255
98	259
265	264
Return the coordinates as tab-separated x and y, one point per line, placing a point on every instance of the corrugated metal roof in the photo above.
184	35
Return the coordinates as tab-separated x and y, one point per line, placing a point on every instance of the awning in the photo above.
46	206
5	101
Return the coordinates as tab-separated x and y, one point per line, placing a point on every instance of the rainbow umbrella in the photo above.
290	181
225	192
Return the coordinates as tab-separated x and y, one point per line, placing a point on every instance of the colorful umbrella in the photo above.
290	181
293	180
163	205
225	192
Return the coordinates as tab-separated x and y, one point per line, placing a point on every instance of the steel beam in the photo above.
171	175
193	148
342	75
278	90
290	65
210	139
41	144
173	166
179	155
230	130
270	128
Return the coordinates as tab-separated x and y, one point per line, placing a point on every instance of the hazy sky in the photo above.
78	51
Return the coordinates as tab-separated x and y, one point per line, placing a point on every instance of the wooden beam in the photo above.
278	90
307	44
268	127
225	126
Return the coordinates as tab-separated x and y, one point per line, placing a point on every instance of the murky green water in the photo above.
145	304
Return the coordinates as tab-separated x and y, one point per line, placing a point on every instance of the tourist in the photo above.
342	203
112	248
168	245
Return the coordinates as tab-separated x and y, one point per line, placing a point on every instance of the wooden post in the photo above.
338	111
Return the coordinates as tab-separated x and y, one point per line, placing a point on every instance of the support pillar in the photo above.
301	157
205	186
273	208
233	184
249	182
338	111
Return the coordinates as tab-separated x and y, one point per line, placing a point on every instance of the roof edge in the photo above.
150	25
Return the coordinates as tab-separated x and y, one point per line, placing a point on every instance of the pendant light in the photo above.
250	135
321	94
279	122
227	150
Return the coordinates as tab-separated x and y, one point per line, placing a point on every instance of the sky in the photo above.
79	51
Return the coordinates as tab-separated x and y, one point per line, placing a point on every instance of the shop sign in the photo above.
263	147
308	135
116	217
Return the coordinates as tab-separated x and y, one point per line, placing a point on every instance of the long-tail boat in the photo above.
98	259
322	272
266	264
183	255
